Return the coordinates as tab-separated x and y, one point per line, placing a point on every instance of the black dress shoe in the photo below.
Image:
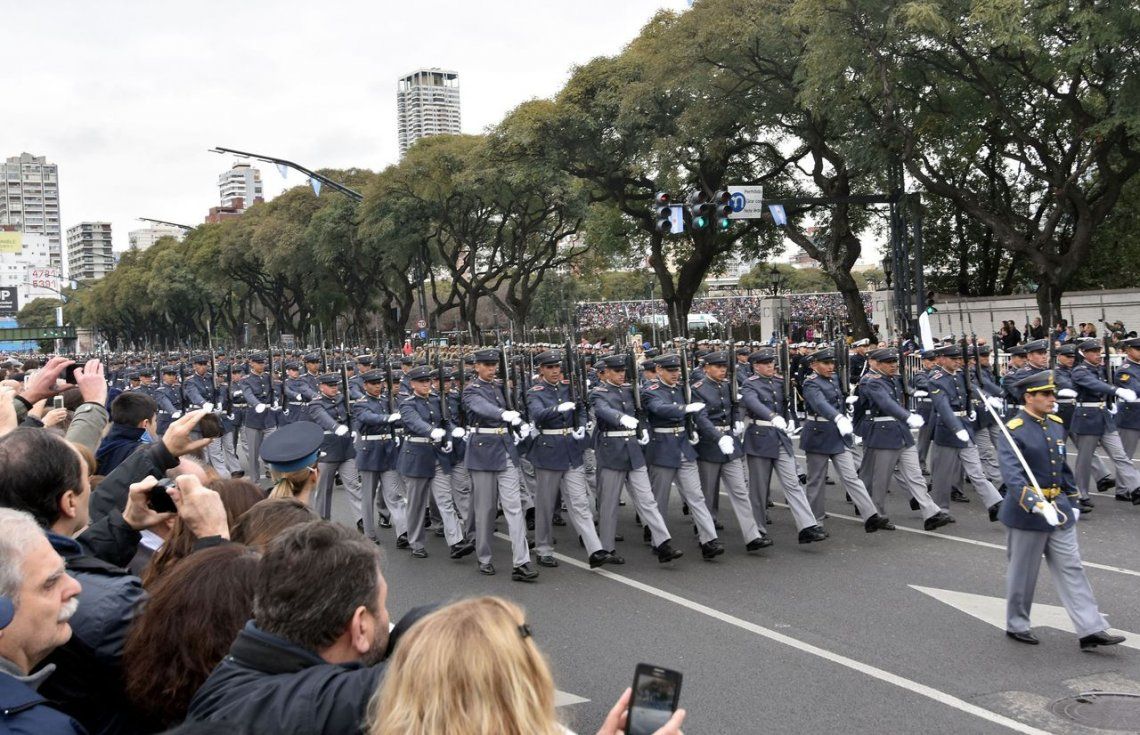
718	525
619	538
1104	484
1002	490
419	553
1026	636
530	519
994	510
597	559
711	550
614	557
763	542
385	522
1100	639
488	569
914	504
360	526
647	535
558	520
769	504
462	549
1085	505
666	553
811	534
402	541
546	561
684	509
938	520
1124	497
237	475
524	573
530	543
802	478
958	496
1136	496
871	524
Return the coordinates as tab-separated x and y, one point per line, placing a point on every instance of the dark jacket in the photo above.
273	686
121	442
111	494
24	711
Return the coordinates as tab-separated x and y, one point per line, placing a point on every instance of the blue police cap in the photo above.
329	379
551	357
169	370
1039	381
1017	350
951	350
486	356
649	365
291	365
1037	345
1133	342
1069	348
364	360
258	357
420	372
762	355
146	373
312	357
668	361
825	355
611	362
1089	345
292	447
200	360
373	376
716	358
884	354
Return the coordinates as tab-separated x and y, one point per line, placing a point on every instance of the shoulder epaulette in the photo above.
697	384
873	376
811	377
1056	418
535	387
1016	423
753	377
654	385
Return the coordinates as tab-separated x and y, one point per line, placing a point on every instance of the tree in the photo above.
38	313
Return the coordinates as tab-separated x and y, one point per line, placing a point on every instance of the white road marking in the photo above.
992	610
565	699
863	668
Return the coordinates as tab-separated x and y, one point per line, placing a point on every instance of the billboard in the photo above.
9	301
11	242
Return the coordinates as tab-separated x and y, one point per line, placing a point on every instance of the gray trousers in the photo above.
610	483
215	455
461	496
321	501
529	485
439	487
689	485
1127	478
947	465
252	439
229	453
390	485
986	441
760	482
925	436
489	490
1129	438
731	476
844	465
882	466
572	483
1099	471
1064	559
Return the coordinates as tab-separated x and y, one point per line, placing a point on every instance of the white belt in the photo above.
488	430
375	437
725	427
1067	401
817	418
1091	405
557	432
961	414
922	400
669	430
881	419
619	433
759	422
298	403
418	440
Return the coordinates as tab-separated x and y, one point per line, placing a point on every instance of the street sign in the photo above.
747	201
421	324
9	301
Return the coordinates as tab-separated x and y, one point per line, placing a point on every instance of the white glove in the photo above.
526	430
446	448
176	415
852	400
738	428
844	424
354	434
512	417
628	422
565	406
437	434
915	421
1126	394
1048	511
963	435
994	401
207	407
579	433
780	423
1066	393
260	408
920	394
643	437
298	397
791	430
1076	514
340	430
857	440
693	407
394	417
276	407
458	432
971	417
727	445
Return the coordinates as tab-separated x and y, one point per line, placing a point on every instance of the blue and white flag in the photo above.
779	217
316	184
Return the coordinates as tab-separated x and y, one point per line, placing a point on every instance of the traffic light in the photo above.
722	208
930	309
663	213
700	209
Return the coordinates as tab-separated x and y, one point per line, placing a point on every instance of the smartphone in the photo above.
159	500
656	692
69	373
57	402
210	426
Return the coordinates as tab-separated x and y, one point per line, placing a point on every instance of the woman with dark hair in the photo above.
238	496
194	614
263	522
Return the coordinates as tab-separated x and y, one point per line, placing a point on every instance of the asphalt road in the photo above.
828	637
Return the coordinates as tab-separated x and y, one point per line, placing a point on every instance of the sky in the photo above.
127	98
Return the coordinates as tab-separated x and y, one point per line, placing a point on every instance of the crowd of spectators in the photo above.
239	613
803	308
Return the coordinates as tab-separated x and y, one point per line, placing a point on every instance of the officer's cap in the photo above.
257	357
983	350
364	360
950	350
312	358
420	372
329	379
649	365
861	343
169	370
1133	342
373	376
1037	345
667	362
1089	345
550	357
612	362
487	356
884	354
742	350
292	447
1037	382
1017	350
200	360
407	361
825	355
1069	348
762	356
133	375
716	358
652	352
146	372
293	365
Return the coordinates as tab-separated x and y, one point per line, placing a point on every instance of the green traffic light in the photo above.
723	223
700	223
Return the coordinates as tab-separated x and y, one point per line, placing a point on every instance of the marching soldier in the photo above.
985	426
888	446
1128	415
230	425
768	444
1093	424
858	359
168	396
146	382
337	452
920	390
492	460
259	419
425	461
671	457
827	436
620	461
297	394
200	391
556	454
377	454
1041	519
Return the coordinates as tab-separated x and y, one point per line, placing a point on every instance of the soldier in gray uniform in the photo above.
492	461
670	455
920	390
1094	424
338	455
260	418
1041	519
985	426
888	446
377	452
1128	412
299	393
200	391
556	453
768	445
827	436
618	439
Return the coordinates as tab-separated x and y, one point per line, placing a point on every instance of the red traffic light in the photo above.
662	199
722	197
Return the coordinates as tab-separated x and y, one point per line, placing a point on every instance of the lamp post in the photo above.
776	279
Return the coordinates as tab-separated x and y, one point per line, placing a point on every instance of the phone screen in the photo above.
655	695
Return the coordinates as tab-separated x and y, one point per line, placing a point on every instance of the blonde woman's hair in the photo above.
467	669
288	485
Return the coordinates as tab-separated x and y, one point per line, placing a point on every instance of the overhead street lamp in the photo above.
350	193
776	279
